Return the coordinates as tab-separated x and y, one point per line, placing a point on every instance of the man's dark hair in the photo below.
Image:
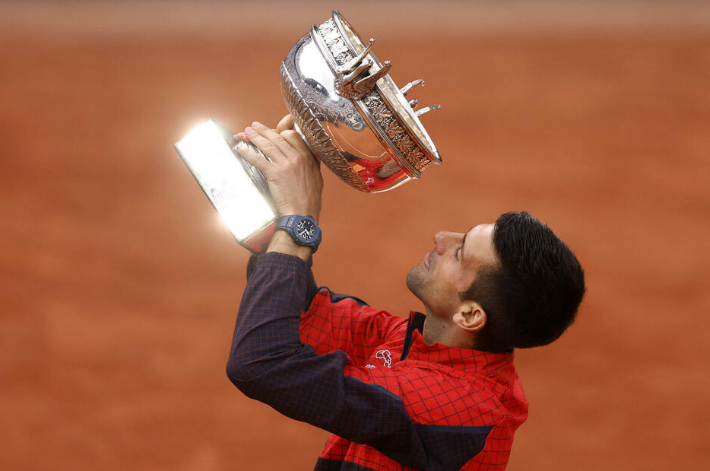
532	294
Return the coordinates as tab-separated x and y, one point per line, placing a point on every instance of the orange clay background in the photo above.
120	287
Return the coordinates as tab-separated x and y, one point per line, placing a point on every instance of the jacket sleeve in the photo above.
311	287
269	363
333	321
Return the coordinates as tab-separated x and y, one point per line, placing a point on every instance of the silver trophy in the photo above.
349	111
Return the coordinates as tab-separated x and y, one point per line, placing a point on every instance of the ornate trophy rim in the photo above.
387	90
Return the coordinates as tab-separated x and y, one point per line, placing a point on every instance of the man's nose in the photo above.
443	240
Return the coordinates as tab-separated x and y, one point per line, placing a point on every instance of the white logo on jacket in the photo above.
386	356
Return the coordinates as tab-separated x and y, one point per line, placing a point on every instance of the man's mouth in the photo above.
426	260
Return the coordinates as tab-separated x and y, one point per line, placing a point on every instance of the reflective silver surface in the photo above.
350	112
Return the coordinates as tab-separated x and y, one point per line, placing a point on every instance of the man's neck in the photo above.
438	330
432	330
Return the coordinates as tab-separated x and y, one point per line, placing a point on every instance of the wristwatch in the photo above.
303	230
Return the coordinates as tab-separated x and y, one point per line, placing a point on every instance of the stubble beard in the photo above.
415	282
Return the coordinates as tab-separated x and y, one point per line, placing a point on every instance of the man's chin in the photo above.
414	282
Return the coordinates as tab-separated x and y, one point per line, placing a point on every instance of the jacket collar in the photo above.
466	360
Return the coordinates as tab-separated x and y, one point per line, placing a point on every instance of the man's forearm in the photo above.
269	315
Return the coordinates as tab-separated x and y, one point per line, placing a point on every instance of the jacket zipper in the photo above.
408	337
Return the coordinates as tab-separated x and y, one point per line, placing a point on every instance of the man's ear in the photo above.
470	317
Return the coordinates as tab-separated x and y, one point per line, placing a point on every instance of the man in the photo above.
432	392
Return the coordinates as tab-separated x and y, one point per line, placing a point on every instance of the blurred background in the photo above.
120	287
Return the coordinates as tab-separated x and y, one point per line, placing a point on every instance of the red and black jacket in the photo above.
391	401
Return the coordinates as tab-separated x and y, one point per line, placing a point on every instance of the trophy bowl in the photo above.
350	112
347	109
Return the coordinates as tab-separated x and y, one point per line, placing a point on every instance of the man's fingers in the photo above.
271	142
285	124
265	144
241	136
277	147
253	157
293	138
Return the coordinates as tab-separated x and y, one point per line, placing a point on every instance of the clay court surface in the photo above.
120	288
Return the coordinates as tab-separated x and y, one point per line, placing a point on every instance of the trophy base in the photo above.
236	189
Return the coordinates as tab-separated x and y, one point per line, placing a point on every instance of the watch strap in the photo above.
289	223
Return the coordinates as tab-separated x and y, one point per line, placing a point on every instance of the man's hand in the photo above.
293	174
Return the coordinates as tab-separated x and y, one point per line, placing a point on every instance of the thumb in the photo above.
285	124
295	139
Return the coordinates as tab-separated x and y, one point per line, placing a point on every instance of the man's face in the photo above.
450	268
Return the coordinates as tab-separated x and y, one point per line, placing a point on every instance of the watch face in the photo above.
305	230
